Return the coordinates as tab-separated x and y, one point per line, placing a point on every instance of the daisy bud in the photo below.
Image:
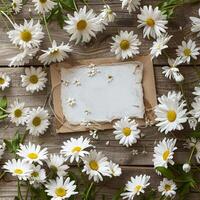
192	122
178	77
186	167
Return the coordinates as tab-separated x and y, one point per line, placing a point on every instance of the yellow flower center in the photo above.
2	81
36	121
150	22
43	1
138	188
187	52
14	5
126	131
35	174
81	25
171	116
60	192
124	44
166	155
94	165
76	149
167	187
18	113
19	171
33	79
26	35
33	156
54	52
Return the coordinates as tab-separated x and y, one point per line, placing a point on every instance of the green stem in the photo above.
46	26
191	154
183	93
88	191
4	110
2	175
27	191
19	190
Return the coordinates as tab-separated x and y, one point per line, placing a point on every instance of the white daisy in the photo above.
172	71
136	186
153	21
164	153
83	25
23	57
60	189
132	5
37	121
170	112
28	35
19	168
4	80
126	131
16	5
55	53
74	149
167	188
96	165
32	153
192	122
195	112
42	6
115	169
38	176
18	113
34	79
2	149
186	167
56	163
159	45
107	14
188	50
125	45
196	25
196	91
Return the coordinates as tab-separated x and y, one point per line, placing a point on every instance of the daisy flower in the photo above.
159	45
132	5
34	79
188	50
60	189
107	14
32	153
42	6
164	153
28	35
171	71
23	57
16	6
170	112
18	113
125	45
126	131
56	163
38	176
83	25
74	149
96	165
56	53
196	25
37	121
135	186
2	149
4	80
167	188
115	169
153	21
19	168
195	112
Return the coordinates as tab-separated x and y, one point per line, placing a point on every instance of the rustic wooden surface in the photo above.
130	164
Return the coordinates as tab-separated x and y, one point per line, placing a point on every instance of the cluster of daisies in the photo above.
34	166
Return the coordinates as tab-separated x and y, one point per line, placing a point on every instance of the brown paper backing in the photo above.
148	82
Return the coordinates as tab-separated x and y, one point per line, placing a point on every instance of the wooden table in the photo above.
131	165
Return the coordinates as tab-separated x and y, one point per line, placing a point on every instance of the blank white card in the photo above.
102	93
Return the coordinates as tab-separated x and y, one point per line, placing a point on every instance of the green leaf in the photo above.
117	195
3	105
69	4
166	172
